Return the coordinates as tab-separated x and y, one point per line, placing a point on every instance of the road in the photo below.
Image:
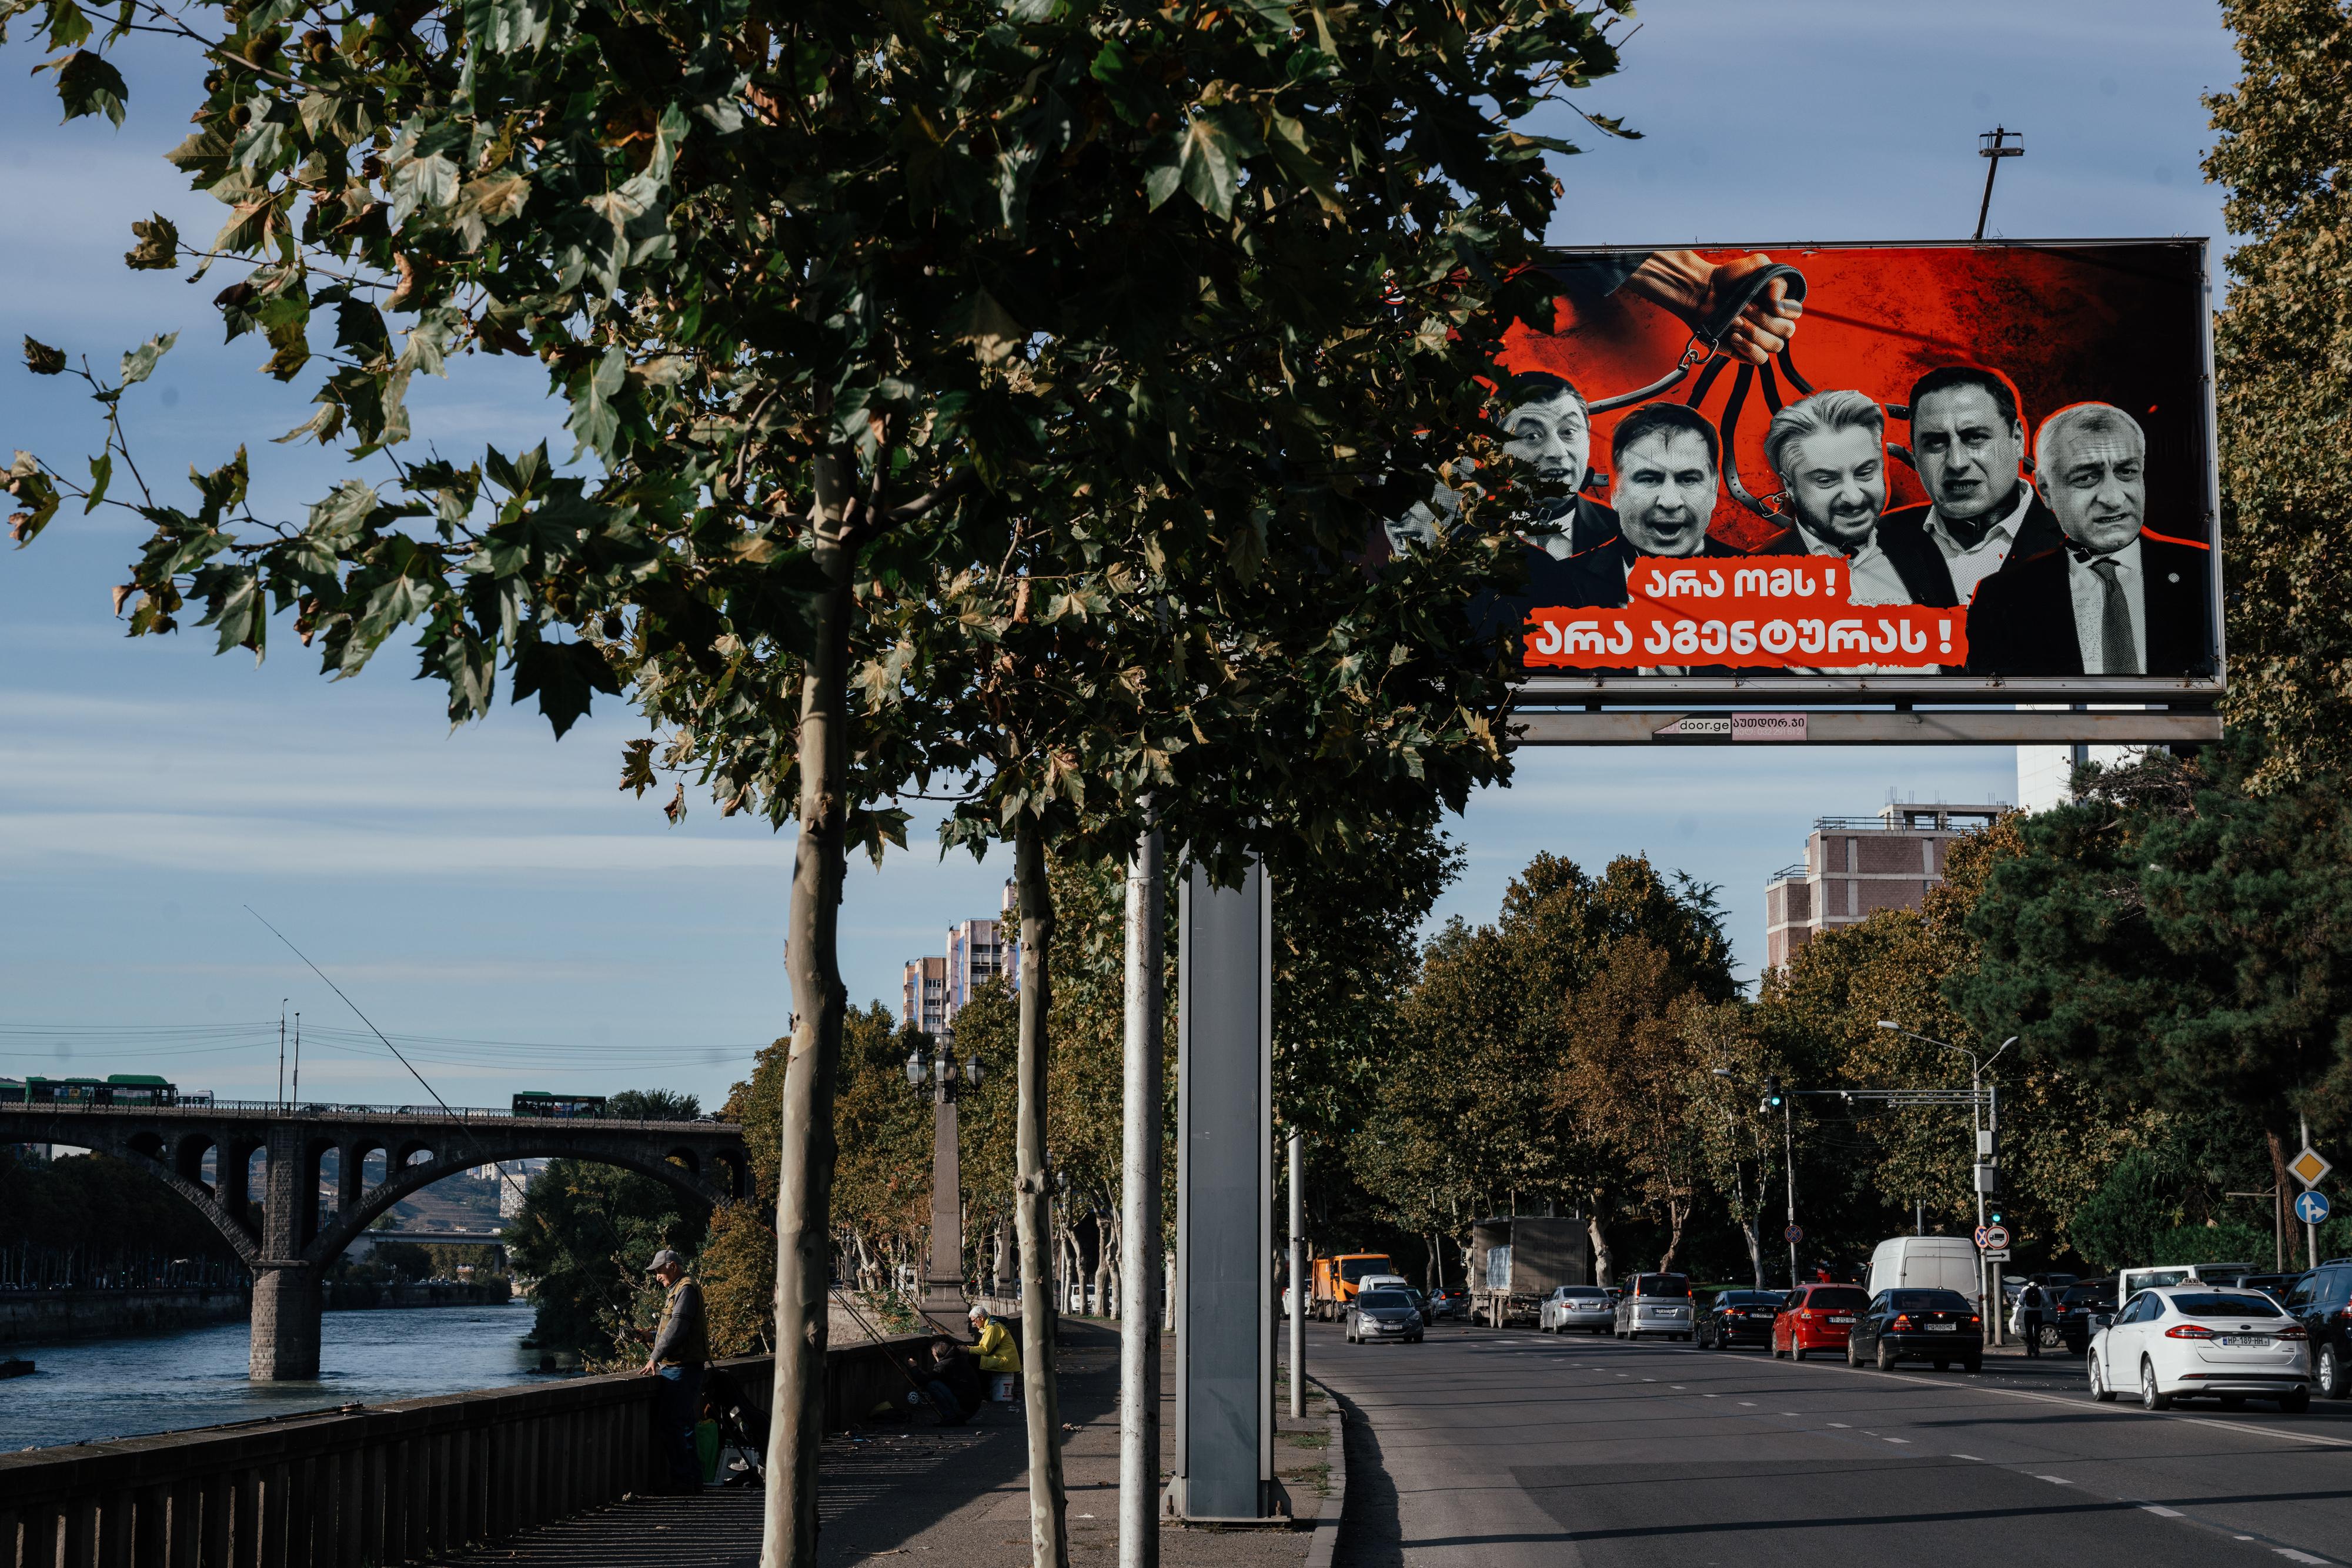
1494	1449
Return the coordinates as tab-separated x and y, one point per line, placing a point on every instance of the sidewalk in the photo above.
955	1495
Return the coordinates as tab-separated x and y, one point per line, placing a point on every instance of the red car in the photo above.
1816	1317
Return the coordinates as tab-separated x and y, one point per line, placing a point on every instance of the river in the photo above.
90	1390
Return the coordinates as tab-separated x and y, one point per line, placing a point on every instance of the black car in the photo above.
1739	1317
2076	1306
1938	1326
2321	1302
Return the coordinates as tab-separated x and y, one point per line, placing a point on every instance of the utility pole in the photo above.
2310	1231
298	1059
1789	1163
1993	146
281	1050
1141	1276
1987	1168
1297	1271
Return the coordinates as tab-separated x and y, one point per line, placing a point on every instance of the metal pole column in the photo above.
1297	1274
1140	1230
1224	1200
1788	1160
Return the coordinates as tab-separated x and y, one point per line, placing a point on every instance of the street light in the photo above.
1987	1164
944	1290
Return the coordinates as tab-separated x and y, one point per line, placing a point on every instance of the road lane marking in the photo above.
2055	1480
1970	1457
1710	1397
2292	1555
1898	1439
1842	1425
1750	1403
2119	1412
2161	1512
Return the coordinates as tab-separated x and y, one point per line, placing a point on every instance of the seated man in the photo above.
952	1382
993	1344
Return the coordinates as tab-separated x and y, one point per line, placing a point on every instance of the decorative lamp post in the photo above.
944	1287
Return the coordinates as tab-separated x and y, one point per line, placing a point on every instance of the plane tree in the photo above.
846	306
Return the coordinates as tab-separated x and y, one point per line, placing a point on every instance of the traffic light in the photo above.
1993	1215
1773	1101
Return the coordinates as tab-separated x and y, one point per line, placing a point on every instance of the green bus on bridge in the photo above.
538	1103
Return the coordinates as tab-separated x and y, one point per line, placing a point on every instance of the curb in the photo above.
1335	1499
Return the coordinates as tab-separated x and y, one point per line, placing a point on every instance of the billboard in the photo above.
1966	472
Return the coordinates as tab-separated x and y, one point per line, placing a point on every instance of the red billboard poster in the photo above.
1971	468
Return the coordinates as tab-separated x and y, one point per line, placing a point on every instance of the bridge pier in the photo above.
288	1313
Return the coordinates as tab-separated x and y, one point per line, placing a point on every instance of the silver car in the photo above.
1383	1315
1586	1308
1655	1305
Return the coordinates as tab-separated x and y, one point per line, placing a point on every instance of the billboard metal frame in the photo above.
2177	697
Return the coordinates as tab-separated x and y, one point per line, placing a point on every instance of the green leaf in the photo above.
139	363
157	249
1209	158
594	422
988	326
563	676
101	471
88	85
42	359
66	25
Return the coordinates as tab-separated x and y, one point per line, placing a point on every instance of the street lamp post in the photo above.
943	1288
1986	1161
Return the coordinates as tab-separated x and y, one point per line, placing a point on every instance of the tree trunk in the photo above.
2279	1202
804	1188
1049	1541
1604	1263
1751	1230
1143	1080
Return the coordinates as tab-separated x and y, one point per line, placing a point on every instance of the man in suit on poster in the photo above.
2113	599
1829	452
1968	441
1665	463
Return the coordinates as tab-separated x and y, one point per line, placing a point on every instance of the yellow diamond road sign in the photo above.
2307	1167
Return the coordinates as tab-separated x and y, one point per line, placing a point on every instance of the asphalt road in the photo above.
1490	1448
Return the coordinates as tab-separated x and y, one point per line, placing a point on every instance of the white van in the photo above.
2131	1281
1927	1262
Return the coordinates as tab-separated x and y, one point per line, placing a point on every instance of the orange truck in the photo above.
1336	1278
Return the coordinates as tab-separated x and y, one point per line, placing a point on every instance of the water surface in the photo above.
91	1390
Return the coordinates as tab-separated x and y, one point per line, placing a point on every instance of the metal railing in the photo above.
1797	872
383	1484
330	1111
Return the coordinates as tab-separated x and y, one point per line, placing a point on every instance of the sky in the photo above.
491	901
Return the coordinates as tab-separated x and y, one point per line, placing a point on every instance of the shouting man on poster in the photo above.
2115	600
1968	440
1667	460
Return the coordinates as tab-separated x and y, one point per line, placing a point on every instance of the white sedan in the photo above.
1586	1307
2195	1340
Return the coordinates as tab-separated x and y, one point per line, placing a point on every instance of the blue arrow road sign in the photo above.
2312	1208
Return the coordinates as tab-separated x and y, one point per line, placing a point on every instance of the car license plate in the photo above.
2246	1341
1844	1320
1943	1328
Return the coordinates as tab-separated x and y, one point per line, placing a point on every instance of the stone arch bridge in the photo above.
301	1232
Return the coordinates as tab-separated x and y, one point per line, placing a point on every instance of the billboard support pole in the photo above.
1993	147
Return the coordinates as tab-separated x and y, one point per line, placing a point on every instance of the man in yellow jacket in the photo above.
993	1344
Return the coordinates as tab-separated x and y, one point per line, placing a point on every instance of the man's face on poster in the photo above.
2096	482
1967	453
1837	478
1554	437
1664	493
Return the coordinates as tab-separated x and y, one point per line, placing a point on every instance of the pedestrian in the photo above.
680	1347
2032	1312
993	1344
950	1382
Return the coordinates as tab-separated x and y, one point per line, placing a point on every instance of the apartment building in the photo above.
1856	866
